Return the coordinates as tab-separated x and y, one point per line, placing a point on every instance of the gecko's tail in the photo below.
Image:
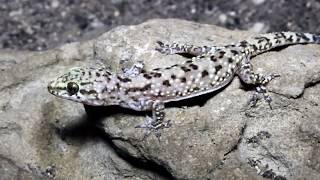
265	42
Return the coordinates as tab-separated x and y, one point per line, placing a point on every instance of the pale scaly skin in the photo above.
148	90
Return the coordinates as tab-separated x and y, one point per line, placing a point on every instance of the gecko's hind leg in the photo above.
155	123
247	75
184	49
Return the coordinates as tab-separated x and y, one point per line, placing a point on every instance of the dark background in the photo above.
43	24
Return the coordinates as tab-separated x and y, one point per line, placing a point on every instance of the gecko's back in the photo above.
192	78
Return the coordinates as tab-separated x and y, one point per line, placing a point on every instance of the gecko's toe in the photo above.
150	127
160	43
268	99
163	48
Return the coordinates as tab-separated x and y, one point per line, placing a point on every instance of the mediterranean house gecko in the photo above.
210	69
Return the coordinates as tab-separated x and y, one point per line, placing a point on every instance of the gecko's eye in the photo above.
72	88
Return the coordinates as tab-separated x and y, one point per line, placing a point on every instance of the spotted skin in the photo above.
148	90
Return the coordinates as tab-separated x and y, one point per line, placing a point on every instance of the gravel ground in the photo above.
43	24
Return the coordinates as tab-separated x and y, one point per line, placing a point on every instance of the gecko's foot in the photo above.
267	78
152	127
166	48
134	70
261	92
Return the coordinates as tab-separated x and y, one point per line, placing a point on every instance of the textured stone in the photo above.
213	136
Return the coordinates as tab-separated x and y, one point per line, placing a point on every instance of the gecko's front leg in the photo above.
248	76
155	123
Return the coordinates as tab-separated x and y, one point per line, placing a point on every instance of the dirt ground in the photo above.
43	24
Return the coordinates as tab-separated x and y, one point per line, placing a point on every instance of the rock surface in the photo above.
214	136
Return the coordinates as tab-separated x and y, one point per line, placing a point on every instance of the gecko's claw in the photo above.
253	99
151	127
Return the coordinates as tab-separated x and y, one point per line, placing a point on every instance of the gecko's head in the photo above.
85	85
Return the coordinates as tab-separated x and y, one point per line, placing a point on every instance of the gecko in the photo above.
210	68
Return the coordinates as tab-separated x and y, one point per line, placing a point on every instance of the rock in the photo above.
9	170
213	136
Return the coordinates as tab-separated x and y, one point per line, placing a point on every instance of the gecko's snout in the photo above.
50	87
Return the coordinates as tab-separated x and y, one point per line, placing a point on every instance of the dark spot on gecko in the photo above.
146	87
303	36
85	83
254	47
234	52
213	59
143	71
82	91
196	89
230	60
83	73
157	75
112	97
193	66
147	76
117	85
218	68
183	79
315	38
167	68
282	35
166	83
125	79
173	76
156	69
104	89
175	65
243	44
221	54
196	50
133	89
189	61
261	39
90	73
231	45
185	69
93	92
61	88
204	73
290	38
97	74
